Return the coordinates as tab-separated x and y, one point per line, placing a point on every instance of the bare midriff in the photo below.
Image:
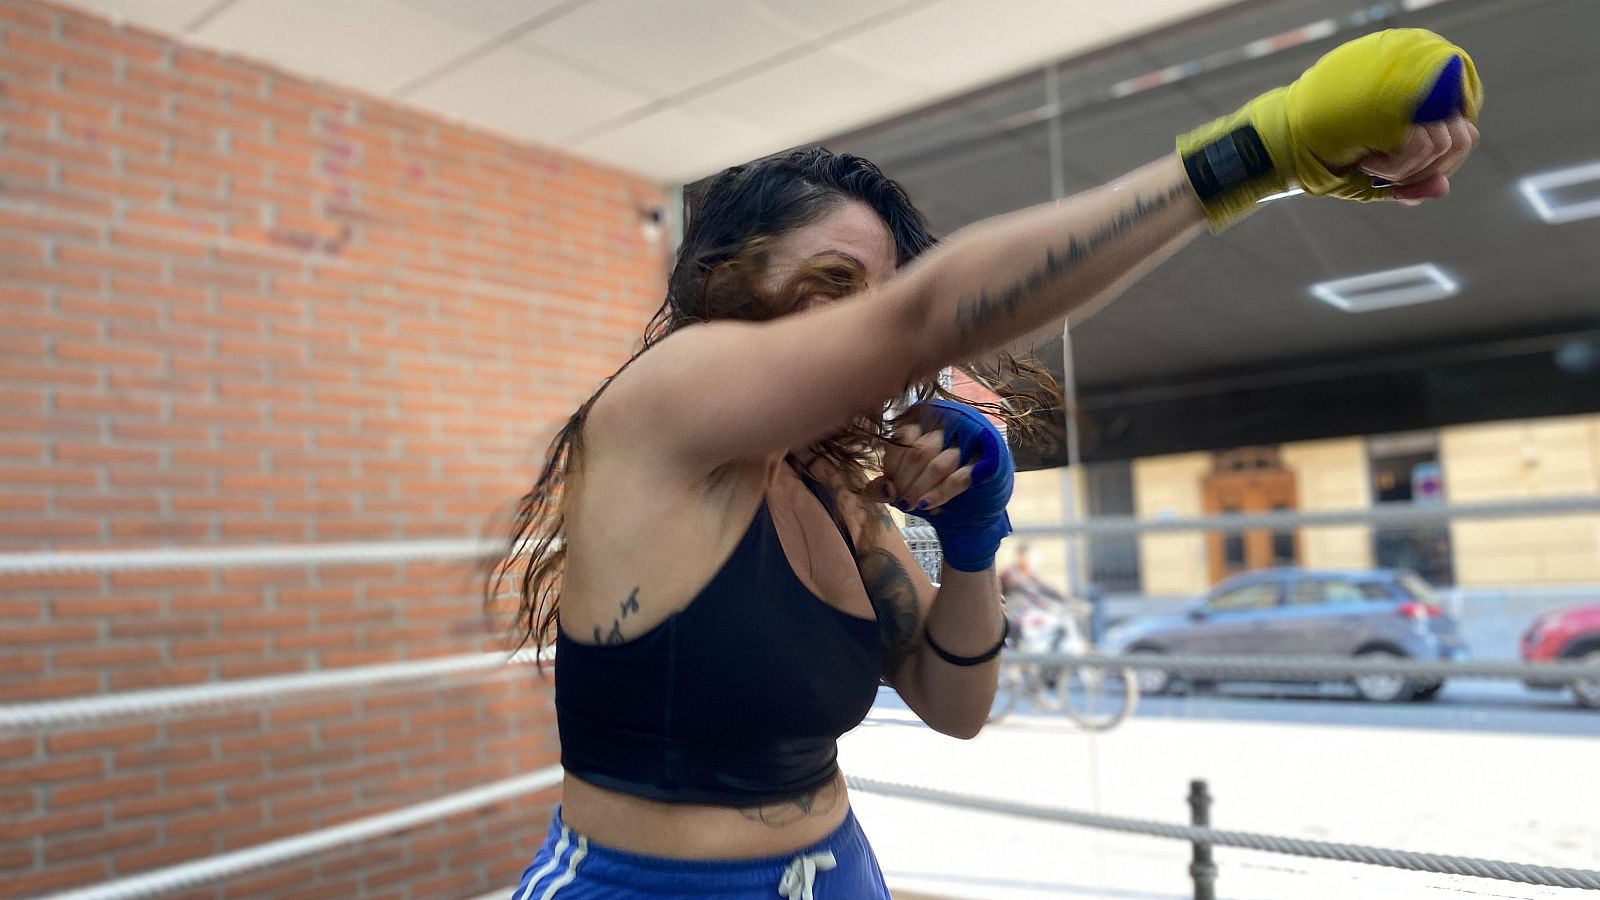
688	831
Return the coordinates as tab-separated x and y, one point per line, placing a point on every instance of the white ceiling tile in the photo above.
663	47
812	97
527	96
374	45
487	16
679	144
954	45
819	17
1133	16
171	16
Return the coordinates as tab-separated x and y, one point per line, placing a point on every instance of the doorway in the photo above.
1250	480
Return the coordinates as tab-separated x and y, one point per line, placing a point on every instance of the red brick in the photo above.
217	647
211	823
70	769
171	853
56	878
278	740
100	843
113	789
254	791
162	578
164	803
107	657
166	676
218	773
176	754
120	736
215	724
125	42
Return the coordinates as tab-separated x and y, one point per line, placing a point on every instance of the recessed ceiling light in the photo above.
1383	290
1564	195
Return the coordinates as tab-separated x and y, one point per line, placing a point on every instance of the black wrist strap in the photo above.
954	660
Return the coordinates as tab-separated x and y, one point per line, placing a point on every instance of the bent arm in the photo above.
734	390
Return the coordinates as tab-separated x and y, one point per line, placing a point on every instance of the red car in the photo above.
1567	635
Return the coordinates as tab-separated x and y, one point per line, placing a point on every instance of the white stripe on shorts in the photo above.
572	869
526	891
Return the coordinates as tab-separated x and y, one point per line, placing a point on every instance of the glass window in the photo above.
1308	593
1258	595
1418	589
1343	592
1375	590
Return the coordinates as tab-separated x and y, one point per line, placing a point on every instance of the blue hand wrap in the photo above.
973	523
1446	98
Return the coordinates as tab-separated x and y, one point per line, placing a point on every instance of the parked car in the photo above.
1384	614
1568	635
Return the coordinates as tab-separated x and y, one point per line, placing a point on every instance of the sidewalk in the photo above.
1508	797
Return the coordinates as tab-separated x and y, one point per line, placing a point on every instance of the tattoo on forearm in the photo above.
625	609
780	815
973	314
894	602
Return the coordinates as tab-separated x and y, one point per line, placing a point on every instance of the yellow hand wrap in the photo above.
1359	99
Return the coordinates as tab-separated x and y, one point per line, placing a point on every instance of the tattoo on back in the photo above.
973	314
625	609
780	815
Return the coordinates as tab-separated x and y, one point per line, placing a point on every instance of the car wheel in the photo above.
1382	688
1151	681
1431	692
1587	691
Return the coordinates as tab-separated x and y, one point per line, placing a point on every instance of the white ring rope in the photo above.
164	701
266	555
215	868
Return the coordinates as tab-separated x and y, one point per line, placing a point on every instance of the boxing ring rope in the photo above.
1437	863
226	865
166	701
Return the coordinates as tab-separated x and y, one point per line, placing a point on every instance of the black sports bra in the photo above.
736	700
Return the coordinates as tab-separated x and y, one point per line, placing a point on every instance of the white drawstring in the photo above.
801	876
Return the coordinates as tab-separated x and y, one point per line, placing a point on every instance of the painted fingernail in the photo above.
902	506
922	505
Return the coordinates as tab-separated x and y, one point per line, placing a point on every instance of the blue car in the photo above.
1385	614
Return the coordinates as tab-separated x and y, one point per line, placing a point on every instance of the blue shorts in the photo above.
571	867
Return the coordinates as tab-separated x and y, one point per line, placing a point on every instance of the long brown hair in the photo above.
730	221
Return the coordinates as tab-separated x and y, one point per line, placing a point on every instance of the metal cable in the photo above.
1314	668
1438	863
1396	514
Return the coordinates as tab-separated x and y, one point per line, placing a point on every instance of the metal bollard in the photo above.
1203	869
1097	614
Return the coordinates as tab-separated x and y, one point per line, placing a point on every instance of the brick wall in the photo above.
241	307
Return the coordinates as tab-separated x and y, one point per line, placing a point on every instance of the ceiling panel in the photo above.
171	16
374	45
648	45
680	141
953	44
529	97
796	100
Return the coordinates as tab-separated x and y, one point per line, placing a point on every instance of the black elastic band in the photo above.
1230	161
954	660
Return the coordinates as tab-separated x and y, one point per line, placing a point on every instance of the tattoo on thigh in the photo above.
779	815
626	608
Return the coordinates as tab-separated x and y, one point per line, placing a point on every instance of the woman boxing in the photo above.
707	546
